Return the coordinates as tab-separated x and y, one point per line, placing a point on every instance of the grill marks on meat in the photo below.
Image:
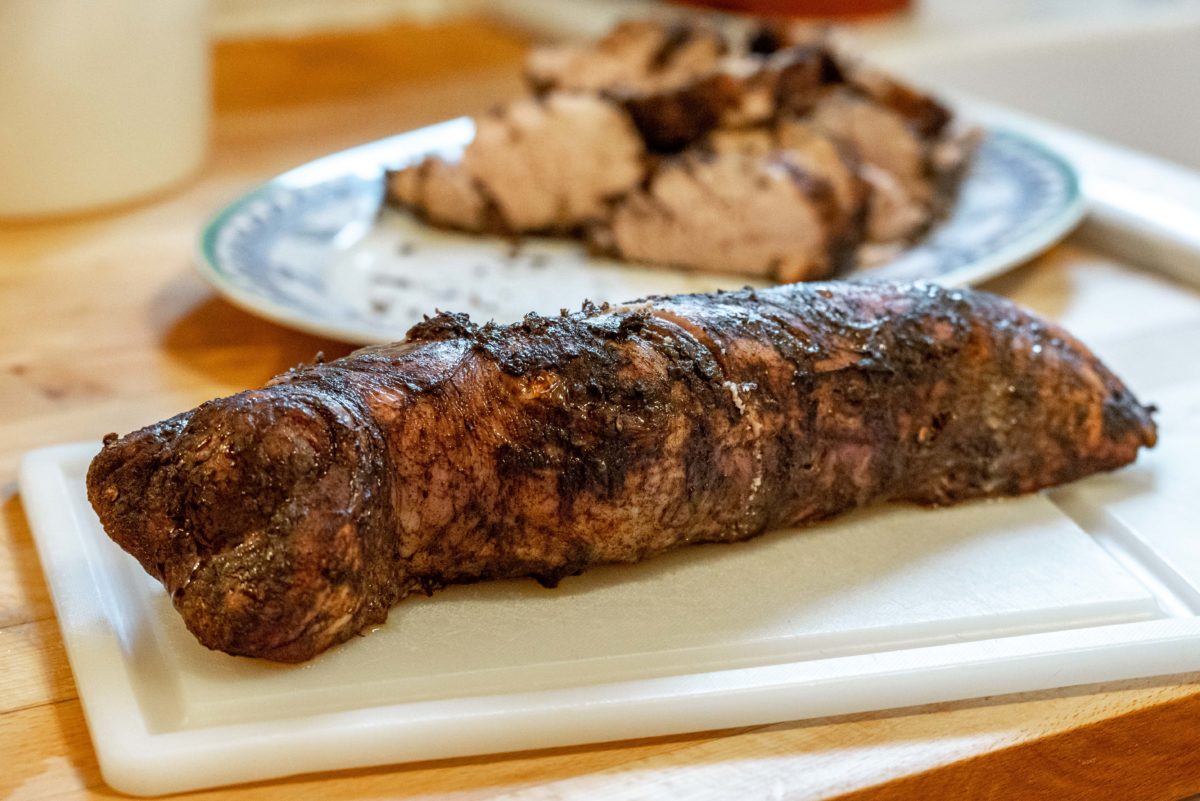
624	138
730	211
287	519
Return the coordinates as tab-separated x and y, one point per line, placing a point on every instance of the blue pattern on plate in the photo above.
275	244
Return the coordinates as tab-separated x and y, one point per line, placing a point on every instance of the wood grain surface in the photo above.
105	327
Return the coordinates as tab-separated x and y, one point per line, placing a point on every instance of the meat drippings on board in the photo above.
623	137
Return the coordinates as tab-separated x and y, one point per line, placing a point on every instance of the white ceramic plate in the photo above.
315	250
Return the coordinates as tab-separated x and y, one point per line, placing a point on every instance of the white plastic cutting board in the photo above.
889	607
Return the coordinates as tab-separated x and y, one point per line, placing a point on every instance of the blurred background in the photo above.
113	96
1114	68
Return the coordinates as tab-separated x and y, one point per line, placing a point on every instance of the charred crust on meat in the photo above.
672	120
832	70
904	392
766	39
443	326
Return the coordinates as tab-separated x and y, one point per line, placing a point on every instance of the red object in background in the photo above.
807	8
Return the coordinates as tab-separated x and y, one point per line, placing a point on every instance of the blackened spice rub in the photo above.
286	519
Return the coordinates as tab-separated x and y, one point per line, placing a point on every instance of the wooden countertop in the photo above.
105	327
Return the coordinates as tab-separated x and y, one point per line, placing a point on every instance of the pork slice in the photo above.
636	56
544	164
878	136
894	164
744	91
927	116
817	154
730	212
442	191
826	158
892	215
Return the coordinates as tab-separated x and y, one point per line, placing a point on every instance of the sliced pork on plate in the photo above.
773	154
548	164
729	212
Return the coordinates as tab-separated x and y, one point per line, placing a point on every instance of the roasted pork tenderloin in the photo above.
287	519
